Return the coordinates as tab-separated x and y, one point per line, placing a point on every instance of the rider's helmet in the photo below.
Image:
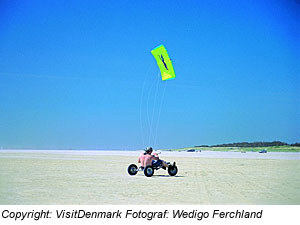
149	150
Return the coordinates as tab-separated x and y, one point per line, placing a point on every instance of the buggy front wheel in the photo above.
172	170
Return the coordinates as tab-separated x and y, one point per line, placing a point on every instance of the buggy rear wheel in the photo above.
132	169
148	171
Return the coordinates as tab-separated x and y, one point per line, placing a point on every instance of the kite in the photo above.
164	62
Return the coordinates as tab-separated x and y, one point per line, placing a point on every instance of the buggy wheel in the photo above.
148	171
172	170
132	169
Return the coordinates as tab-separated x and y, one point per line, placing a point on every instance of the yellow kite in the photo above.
164	62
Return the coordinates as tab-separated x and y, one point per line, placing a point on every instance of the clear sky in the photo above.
79	74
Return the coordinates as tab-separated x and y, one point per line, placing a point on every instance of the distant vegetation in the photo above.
296	144
252	144
274	146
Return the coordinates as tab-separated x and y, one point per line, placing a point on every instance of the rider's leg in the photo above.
165	164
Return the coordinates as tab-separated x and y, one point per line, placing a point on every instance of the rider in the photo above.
147	159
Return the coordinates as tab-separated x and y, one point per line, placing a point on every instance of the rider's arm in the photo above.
156	155
154	158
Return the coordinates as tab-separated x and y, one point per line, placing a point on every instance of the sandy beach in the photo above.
100	177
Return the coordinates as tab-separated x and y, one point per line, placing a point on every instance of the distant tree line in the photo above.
251	144
296	144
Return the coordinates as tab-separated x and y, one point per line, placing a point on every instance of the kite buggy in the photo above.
149	170
149	163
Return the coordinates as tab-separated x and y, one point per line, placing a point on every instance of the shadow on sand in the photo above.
165	176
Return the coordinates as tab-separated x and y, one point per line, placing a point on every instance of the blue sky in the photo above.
80	74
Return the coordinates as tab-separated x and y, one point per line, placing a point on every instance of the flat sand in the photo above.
37	177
